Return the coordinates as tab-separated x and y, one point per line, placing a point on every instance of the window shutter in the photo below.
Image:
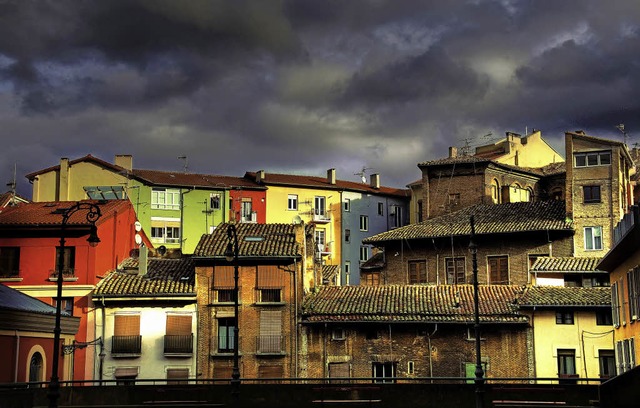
270	322
127	325
269	277
177	374
178	324
223	277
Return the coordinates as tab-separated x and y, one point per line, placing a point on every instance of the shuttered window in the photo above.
126	325
177	375
455	270
223	277
269	277
417	272
499	270
178	324
270	340
271	371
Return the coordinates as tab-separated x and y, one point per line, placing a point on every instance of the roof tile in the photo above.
277	240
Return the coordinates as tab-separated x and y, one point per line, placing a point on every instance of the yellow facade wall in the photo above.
584	336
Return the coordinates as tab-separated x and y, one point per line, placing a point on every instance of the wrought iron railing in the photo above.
178	344
270	344
126	344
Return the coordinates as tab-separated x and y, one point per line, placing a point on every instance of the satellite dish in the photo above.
297	220
162	249
137	226
138	239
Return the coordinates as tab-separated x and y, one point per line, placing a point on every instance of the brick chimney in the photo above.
331	176
124	160
63	192
259	176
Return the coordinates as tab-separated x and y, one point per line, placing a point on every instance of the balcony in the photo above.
252	217
68	274
178	345
270	345
126	346
223	346
320	216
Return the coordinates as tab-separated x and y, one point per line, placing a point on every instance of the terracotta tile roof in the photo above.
610	142
87	158
164	277
565	296
330	271
551	169
12	299
279	241
375	262
43	214
565	264
9	199
168	178
412	303
489	219
322	183
445	161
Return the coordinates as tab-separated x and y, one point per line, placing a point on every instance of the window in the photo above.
165	230
567	363
223	284
607	362
615	304
592	159
176	376
454	199
495	191
419	217
633	291
455	270
370	278
179	339
246	211
383	372
604	318
292	202
364	253
564	317
364	223
591	194
126	334
165	199
269	285
593	238
68	261
499	270
226	333
347	204
320	239
396	213
319	207
67	305
125	375
214	201
371	333
269	372
9	262
105	192
410	367
270	340
625	355
338	334
380	208
347	271
347	235
35	368
417	272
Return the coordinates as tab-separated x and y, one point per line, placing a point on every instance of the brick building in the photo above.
404	331
276	265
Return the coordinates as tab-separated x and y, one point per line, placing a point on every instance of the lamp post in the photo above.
92	215
479	381
231	255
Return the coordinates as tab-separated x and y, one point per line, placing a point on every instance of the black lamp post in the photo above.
479	381
231	254
92	215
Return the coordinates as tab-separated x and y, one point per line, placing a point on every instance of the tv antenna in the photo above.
186	163
620	127
12	186
362	173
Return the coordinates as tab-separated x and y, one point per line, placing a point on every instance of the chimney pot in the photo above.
453	152
331	176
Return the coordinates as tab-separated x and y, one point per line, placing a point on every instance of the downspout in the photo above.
15	373
324	352
182	194
435	329
295	300
102	353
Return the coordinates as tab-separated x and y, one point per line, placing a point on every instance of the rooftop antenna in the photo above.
186	163
362	173
620	127
12	186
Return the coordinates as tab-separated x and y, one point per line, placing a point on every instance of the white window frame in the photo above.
165	199
162	225
292	202
592	242
594	157
347	204
396	212
215	201
364	223
364	253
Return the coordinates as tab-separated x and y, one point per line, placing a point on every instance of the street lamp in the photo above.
92	215
479	381
231	255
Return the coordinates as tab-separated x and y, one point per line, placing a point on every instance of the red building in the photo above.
29	249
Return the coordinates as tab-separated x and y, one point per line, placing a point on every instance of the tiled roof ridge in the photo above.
88	157
565	264
43	213
565	296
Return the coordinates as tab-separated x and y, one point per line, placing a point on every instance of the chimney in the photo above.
331	176
375	180
142	260
63	192
259	176
453	152
124	160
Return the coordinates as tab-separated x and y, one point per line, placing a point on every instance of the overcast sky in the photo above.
302	86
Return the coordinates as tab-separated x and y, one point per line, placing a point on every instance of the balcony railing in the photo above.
252	217
178	344
224	345
67	273
320	215
626	223
9	273
270	344
130	345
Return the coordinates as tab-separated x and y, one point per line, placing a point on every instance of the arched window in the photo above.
495	191
36	368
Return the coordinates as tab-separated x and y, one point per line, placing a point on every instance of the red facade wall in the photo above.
258	203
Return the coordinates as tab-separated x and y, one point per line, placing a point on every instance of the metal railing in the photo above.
126	344
270	344
178	343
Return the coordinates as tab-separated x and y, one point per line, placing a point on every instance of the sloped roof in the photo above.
87	158
610	142
277	241
375	262
330	271
489	219
43	214
565	296
412	303
322	183
565	264
12	299
168	178
163	277
9	199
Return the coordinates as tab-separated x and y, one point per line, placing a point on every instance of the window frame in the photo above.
490	272
592	159
454	278
380	208
364	253
593	241
215	201
292	202
347	205
160	198
364	222
416	271
591	194
9	261
565	317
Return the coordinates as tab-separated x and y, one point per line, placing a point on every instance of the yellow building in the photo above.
572	334
524	151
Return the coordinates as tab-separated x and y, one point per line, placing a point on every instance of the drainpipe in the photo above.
15	373
295	301
182	194
102	353
430	353
324	352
